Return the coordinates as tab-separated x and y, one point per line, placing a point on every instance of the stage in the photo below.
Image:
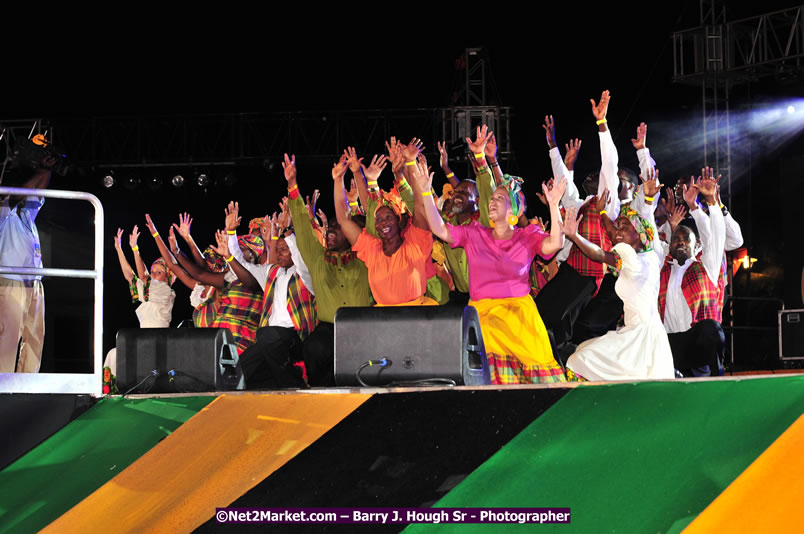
701	454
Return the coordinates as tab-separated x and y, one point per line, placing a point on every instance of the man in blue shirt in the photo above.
22	299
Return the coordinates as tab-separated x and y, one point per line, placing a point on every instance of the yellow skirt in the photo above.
516	341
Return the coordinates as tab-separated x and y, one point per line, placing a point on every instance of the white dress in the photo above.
155	312
640	349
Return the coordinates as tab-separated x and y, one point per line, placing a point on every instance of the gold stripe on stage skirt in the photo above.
516	341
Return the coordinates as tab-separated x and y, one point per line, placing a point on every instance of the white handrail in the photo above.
64	382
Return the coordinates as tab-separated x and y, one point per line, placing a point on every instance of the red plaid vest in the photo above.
301	303
702	296
591	227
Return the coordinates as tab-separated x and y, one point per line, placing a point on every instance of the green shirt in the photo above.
339	278
456	257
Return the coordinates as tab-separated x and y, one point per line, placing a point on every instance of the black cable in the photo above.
382	362
153	374
385	362
425	382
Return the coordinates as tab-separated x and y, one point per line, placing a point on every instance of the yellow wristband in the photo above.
722	206
603	212
480	156
293	188
648	199
450	175
231	232
601	121
155	234
135	248
427	193
275	238
410	163
372	183
229	259
353	203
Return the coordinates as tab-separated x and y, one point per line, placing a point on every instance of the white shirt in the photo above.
608	180
712	236
19	239
280	315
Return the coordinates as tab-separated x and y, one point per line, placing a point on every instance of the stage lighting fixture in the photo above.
108	180
177	180
791	109
131	183
229	179
202	180
154	183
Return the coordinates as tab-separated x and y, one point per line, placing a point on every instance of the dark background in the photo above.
161	69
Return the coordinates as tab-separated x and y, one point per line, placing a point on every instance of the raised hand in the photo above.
411	151
540	222
641	134
691	193
284	214
491	148
602	200
570	225
289	166
550	131
478	146
339	168
232	217
600	109
554	194
708	184
443	159
676	215
310	204
395	155
222	240
352	160
118	240
149	224
669	200
322	216
274	227
135	235
265	229
375	168
185	222
422	176
650	184
172	244
573	149
352	194
549	183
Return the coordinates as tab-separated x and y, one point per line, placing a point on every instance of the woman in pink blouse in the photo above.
499	258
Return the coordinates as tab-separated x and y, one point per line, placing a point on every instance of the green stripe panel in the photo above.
646	457
84	455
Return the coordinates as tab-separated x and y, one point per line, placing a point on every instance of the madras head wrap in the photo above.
642	226
170	275
513	185
257	222
252	242
392	200
215	261
447	191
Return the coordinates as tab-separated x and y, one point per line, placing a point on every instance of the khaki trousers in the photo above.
22	318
